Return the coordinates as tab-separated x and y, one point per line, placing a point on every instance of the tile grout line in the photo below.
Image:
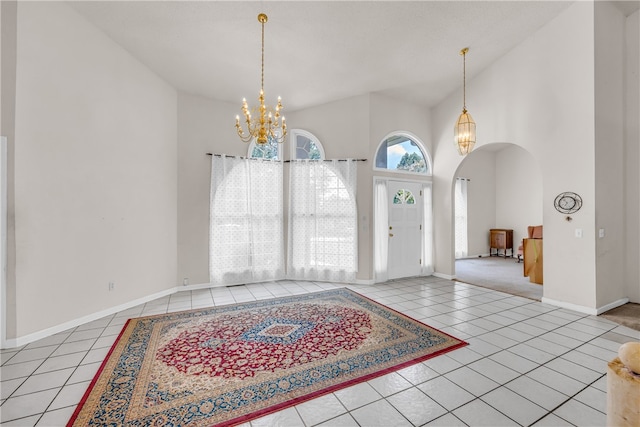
401	288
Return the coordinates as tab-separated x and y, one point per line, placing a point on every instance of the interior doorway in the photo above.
505	192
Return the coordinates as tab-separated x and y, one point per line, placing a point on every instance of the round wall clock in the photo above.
567	202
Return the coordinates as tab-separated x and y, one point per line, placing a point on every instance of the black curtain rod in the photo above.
286	161
227	155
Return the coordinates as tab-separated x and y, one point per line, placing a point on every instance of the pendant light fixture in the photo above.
265	124
465	128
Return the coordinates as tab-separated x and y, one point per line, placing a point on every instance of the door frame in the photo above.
401	258
376	178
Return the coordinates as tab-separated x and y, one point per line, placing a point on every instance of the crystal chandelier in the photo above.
265	123
465	128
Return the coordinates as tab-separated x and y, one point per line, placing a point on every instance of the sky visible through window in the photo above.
395	153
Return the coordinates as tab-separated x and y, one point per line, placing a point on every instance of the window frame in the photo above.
293	142
253	145
425	154
407	195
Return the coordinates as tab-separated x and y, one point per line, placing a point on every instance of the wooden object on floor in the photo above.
500	238
532	249
623	395
534	232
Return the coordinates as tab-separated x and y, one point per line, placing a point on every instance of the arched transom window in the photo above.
402	153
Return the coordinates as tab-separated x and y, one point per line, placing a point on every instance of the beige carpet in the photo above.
500	274
627	315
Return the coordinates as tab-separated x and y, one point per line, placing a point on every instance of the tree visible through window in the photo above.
307	149
269	151
305	145
401	153
411	162
404	197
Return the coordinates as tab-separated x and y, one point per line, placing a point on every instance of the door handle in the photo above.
390	235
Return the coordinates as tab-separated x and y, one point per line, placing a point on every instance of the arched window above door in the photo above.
401	152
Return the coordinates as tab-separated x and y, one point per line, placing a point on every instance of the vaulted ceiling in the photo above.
318	51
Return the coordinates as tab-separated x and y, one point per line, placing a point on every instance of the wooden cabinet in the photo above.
532	249
500	239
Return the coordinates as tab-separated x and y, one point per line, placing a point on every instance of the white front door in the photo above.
405	229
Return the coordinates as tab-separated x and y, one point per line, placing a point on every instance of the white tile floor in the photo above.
527	363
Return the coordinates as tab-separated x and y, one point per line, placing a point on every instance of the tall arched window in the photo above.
402	152
323	221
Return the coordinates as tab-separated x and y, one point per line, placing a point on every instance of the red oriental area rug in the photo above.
230	364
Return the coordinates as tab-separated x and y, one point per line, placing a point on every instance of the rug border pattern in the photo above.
347	293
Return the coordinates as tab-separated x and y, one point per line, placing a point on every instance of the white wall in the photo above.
480	168
204	126
533	97
518	192
95	172
609	150
632	157
7	128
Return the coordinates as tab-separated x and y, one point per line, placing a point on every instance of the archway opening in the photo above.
503	192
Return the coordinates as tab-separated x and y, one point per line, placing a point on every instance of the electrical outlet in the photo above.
112	286
601	233
185	281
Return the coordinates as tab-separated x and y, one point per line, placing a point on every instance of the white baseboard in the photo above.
612	305
196	287
586	310
27	339
444	276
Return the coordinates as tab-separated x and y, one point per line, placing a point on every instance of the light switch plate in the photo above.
579	232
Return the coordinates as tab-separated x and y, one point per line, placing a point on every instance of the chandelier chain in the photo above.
262	71
465	128
464	78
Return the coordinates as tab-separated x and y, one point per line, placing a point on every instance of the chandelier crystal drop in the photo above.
465	128
262	122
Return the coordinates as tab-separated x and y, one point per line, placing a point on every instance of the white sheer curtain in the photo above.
245	238
461	249
427	237
323	238
381	231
